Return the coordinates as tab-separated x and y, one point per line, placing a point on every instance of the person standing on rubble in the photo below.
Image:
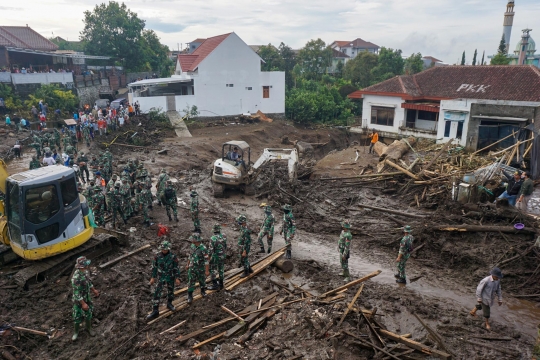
244	245
197	267
194	209
405	250
267	229
344	246
486	291
513	187
525	192
166	272
288	229
374	138
171	200
82	301
217	252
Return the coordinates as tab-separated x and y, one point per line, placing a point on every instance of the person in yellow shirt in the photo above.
374	138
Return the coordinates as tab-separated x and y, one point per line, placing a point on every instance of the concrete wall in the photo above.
147	103
43	78
88	95
384	101
5	77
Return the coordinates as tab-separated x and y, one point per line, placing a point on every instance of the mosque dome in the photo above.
531	47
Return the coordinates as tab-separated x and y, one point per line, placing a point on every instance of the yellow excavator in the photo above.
43	218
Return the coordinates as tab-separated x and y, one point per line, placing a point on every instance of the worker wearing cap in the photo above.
244	245
513	187
486	291
197	267
405	249
267	229
165	271
194	209
525	191
217	252
344	246
82	301
288	229
170	198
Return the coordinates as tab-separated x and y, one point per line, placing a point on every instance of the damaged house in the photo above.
475	105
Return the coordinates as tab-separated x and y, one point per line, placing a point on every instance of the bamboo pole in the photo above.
114	261
508	148
352	283
351	304
232	313
208	340
495	143
405	171
172	328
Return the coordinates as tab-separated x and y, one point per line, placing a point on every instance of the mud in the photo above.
449	265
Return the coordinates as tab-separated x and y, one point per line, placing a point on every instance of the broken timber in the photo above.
395	212
351	304
415	345
351	284
480	228
114	261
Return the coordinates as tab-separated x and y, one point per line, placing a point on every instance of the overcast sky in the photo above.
441	28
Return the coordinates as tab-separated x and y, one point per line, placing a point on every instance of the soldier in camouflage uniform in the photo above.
98	206
66	140
143	199
34	164
405	249
82	302
244	245
267	229
86	134
289	228
108	155
169	195
344	246
125	191
56	136
166	272
37	147
198	267
82	161
217	252
70	150
160	185
194	209
116	207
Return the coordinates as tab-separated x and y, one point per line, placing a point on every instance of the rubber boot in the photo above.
269	250
76	332
203	292
175	218
189	297
347	276
342	273
125	221
214	286
288	254
170	306
261	251
170	218
401	281
396	276
250	270
154	314
220	281
89	327
146	223
246	273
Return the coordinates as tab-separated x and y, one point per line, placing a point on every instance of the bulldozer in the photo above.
235	170
44	219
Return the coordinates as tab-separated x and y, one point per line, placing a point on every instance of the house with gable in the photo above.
222	77
474	105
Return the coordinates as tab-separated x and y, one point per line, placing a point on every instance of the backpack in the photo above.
169	193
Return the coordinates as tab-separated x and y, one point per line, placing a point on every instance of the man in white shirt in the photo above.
48	160
488	289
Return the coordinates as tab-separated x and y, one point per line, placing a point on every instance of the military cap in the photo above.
268	209
346	224
407	229
287	207
82	262
241	219
216	228
165	245
195	237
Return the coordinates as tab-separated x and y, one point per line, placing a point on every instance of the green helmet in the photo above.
163	170
241	219
407	229
97	187
346	224
165	245
195	238
287	207
194	193
140	166
216	228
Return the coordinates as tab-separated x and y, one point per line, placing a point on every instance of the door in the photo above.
171	103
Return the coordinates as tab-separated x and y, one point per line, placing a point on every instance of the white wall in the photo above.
386	101
460	105
152	102
42	78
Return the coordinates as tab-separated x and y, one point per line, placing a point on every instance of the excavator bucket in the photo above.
3	176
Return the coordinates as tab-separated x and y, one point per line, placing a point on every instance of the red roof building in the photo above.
189	62
25	38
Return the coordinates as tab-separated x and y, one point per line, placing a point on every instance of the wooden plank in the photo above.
31	331
250	318
172	328
395	212
260	268
231	313
352	283
365	343
405	171
433	333
114	261
196	346
351	304
415	345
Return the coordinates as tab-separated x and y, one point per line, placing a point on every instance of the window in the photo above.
41	203
249	88
48	233
382	116
459	132
184	90
427	115
266	92
69	191
447	125
229	85
13	211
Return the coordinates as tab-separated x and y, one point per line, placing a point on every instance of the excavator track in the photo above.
53	267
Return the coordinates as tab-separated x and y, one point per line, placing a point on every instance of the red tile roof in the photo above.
341	43
198	40
339	54
191	61
512	83
362	44
24	37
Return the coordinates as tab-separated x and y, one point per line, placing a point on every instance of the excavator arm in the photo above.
3	218
291	155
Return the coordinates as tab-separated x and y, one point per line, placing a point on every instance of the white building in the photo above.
353	48
475	105
221	77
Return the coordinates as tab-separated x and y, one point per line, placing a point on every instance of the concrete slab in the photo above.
178	124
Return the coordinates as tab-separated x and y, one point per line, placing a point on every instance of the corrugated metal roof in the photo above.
24	37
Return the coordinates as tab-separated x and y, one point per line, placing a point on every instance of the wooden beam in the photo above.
495	143
351	304
196	346
31	331
114	261
433	333
172	328
231	313
362	176
365	343
443	149
480	228
415	345
395	212
250	318
257	270
405	171
352	283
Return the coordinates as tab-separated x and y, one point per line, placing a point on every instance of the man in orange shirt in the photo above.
374	138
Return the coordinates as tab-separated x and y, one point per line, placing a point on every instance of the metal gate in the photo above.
489	134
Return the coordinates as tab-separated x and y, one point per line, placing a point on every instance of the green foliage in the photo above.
55	97
414	64
500	59
339	69
11	100
114	30
314	58
158	115
359	70
288	59
474	57
502	46
68	45
463	58
389	64
191	112
272	58
483	58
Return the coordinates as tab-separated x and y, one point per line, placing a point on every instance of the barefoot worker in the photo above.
486	291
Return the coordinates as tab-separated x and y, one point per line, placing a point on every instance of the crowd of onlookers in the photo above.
31	70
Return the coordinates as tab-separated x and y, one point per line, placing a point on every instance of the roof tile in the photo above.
24	37
191	61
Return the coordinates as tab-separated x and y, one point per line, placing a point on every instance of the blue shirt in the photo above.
8	120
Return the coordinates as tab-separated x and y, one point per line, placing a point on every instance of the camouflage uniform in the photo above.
84	168
169	195
344	246
165	270
194	209
217	252
37	147
115	203
161	184
108	155
405	248
82	286
267	229
198	261
56	136
244	244
143	199
289	228
125	191
34	164
66	140
98	206
70	150
86	134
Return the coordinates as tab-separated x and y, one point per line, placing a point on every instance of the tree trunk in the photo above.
397	149
284	265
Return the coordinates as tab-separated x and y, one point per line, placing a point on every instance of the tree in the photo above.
272	58
288	62
502	57
483	57
502	46
474	57
57	98
339	69
156	54
315	58
68	45
414	64
11	100
389	64
463	58
358	70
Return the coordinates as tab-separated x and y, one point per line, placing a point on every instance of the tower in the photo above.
508	22
524	51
